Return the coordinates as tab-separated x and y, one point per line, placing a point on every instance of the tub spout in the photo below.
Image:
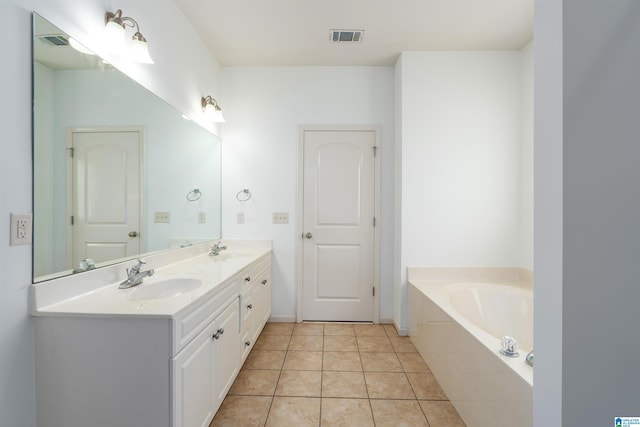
529	358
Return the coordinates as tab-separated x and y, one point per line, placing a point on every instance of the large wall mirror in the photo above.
117	172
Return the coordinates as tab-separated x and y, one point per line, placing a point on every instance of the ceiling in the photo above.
296	32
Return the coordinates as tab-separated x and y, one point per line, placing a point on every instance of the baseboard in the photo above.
403	332
386	321
282	319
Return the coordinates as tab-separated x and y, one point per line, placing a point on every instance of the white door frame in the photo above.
69	185
300	209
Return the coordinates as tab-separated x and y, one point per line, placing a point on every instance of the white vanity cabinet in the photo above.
255	304
204	370
156	369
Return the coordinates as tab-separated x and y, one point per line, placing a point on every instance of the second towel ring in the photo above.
243	195
193	195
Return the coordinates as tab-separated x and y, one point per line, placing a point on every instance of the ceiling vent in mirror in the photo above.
341	36
54	39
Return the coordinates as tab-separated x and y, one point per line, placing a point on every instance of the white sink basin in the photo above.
165	288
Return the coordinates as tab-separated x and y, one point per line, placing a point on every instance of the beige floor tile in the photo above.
441	414
377	344
343	384
403	345
299	383
338	329
278	329
346	413
380	362
241	411
398	413
306	342
263	359
390	330
388	385
340	343
272	342
308	329
366	330
413	362
341	361
294	412
303	361
255	382
425	386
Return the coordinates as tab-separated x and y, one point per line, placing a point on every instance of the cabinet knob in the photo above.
218	333
250	306
247	279
264	282
248	343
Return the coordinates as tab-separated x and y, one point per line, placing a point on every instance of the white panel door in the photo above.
338	248
106	194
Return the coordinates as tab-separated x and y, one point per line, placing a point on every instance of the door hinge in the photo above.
374	221
374	291
375	151
70	151
71	221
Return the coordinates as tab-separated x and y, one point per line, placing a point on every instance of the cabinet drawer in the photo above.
246	344
187	327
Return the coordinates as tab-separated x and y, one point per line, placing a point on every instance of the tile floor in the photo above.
326	374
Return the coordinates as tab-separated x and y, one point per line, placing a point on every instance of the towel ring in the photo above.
243	195
193	195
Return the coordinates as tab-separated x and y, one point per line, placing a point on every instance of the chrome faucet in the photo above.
215	249
135	276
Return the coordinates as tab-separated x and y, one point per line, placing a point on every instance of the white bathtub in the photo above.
457	328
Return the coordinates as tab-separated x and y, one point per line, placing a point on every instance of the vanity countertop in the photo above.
110	301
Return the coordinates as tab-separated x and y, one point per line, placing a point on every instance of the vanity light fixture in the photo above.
115	33
211	107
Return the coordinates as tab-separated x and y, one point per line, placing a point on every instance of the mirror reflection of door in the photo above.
105	187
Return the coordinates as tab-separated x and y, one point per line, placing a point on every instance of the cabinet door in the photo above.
192	382
225	356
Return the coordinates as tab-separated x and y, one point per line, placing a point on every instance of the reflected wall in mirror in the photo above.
115	167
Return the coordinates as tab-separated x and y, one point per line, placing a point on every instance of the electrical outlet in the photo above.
163	217
202	217
240	218
20	229
281	217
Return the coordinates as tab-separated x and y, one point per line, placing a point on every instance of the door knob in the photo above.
308	235
133	234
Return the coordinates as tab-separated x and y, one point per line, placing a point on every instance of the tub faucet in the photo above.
509	347
215	249
135	276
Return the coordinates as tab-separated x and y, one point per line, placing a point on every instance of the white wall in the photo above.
263	109
587	194
460	147
181	76
548	205
526	158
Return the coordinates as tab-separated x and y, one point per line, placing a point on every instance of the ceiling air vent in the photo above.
340	36
54	39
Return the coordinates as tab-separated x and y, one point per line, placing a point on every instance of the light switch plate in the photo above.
162	217
240	218
281	217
